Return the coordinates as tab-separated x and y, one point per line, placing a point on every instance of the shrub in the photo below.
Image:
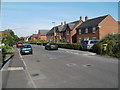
75	46
113	46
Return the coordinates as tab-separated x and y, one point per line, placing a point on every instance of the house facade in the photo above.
66	32
96	28
41	36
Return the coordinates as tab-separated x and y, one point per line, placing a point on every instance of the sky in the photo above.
26	18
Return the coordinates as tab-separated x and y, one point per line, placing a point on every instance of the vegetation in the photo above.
9	39
112	47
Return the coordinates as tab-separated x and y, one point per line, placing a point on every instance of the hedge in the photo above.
76	46
113	46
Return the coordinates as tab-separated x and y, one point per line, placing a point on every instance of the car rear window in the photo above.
19	43
92	42
85	42
26	46
52	44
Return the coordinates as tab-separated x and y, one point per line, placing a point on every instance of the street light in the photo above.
54	31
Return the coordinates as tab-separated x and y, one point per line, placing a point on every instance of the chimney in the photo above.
86	18
80	17
64	22
61	23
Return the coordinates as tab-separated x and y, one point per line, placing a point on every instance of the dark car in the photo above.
51	46
26	49
19	44
88	44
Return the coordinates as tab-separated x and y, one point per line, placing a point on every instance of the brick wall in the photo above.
108	26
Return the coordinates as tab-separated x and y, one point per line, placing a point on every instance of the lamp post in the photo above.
54	31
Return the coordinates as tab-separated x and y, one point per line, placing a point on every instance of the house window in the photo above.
68	32
80	39
86	30
86	38
93	30
94	38
68	40
80	31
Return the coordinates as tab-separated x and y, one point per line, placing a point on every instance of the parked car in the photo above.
51	46
88	44
19	44
26	49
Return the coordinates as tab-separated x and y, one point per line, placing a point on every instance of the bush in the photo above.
113	46
6	50
76	46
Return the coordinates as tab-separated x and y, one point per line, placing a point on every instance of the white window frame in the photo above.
86	30
86	38
68	40
68	32
94	38
94	30
80	31
80	40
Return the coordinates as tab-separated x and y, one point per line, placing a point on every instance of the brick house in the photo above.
41	36
69	31
96	28
55	30
66	32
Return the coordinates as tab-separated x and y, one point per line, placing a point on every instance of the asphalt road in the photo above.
71	69
65	68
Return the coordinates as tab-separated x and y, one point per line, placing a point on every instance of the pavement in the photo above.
62	68
14	75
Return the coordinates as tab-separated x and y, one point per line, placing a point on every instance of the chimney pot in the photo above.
64	22
80	17
61	23
86	18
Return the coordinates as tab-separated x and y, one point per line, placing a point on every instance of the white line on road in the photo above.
27	70
15	68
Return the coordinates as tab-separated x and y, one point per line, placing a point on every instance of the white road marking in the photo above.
27	70
15	68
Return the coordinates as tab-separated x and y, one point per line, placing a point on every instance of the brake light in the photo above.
50	45
30	48
20	49
88	45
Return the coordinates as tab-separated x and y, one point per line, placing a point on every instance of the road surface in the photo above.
63	68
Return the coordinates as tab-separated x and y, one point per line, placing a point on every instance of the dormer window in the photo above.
93	30
80	31
86	30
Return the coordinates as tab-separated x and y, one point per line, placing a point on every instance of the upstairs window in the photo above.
93	30
68	32
86	30
80	31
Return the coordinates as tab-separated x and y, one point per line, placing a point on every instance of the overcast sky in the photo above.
26	18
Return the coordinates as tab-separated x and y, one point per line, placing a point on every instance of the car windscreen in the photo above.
26	46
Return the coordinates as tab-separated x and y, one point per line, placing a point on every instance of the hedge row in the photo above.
112	48
76	46
7	50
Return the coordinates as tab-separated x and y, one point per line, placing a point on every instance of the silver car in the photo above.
88	44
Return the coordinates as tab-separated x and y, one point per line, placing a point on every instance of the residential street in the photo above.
62	68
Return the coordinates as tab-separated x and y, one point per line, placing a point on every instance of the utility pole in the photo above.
54	31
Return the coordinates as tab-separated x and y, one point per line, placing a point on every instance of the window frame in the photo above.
94	30
86	30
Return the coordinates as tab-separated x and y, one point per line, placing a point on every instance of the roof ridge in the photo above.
97	17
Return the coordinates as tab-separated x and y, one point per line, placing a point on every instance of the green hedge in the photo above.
113	46
76	46
7	50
